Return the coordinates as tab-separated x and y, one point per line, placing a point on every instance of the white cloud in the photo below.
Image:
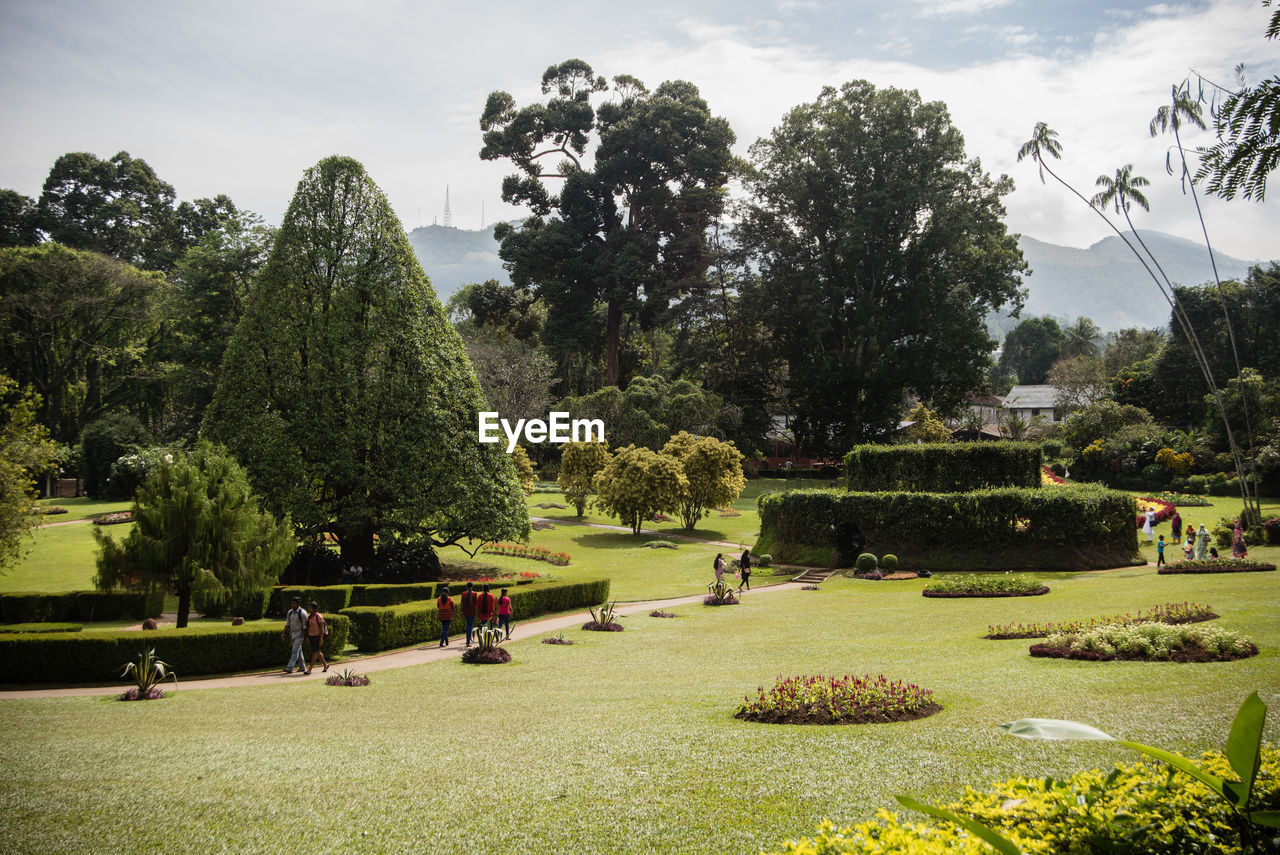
952	8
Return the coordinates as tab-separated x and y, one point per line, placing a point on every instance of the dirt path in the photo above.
385	661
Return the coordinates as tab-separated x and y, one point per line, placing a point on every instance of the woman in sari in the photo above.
1238	549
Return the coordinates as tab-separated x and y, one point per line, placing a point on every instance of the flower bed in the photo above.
114	518
811	587
1215	565
1001	585
48	509
838	700
347	678
535	553
597	626
660	613
155	693
1184	500
1148	642
1164	510
540	525
480	656
1049	478
713	600
558	639
901	575
1168	613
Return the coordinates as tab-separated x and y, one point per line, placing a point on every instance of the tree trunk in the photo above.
357	547
612	336
184	606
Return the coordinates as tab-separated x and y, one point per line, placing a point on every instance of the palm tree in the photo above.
1044	142
1082	338
1170	117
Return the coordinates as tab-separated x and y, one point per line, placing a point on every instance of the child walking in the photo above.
1160	551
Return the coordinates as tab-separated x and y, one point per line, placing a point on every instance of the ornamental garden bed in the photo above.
1149	642
1168	613
1215	565
1002	585
480	656
838	700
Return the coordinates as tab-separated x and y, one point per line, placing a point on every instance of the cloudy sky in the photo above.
240	96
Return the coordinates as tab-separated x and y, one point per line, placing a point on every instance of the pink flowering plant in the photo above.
114	518
1169	613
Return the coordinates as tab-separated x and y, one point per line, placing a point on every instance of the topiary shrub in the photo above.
1271	528
866	563
889	562
1255	536
1198	485
250	605
764	560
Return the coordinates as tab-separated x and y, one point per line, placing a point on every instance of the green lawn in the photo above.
623	742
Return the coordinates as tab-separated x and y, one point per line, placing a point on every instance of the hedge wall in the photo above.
98	657
250	605
946	467
391	595
382	628
83	606
1079	528
331	598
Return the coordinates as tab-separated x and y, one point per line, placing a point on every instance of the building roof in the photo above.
1024	397
985	400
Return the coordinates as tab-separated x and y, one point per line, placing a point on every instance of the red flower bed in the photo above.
1051	475
1164	510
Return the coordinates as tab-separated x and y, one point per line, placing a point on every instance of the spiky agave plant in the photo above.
147	673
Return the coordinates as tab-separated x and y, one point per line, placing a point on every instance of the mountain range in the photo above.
1103	282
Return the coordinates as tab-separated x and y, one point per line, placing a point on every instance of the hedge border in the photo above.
1176	569
78	606
1044	651
1079	528
375	628
98	657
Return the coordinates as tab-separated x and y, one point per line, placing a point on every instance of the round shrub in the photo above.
866	563
764	560
838	700
1198	485
889	563
1272	529
1255	536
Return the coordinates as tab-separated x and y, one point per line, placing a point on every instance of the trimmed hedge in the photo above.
78	606
376	628
942	467
98	657
250	605
1078	528
391	595
331	598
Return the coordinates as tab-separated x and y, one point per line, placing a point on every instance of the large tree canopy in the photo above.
76	327
345	392
25	451
643	176
881	250
1031	348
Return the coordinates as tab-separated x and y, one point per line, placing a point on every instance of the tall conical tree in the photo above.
345	392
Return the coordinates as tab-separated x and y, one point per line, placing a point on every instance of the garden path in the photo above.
382	661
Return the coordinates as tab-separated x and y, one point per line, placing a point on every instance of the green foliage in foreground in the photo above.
1136	808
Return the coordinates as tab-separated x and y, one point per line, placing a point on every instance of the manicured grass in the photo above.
62	558
623	742
83	508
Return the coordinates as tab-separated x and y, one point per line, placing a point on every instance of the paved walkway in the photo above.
384	661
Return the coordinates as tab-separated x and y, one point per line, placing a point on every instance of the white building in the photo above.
1035	402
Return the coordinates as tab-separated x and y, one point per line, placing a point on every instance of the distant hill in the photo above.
456	257
1103	282
1107	284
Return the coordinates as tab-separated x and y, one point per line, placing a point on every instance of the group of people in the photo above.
1196	545
304	627
478	608
744	569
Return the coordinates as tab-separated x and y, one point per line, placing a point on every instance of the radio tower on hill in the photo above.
448	215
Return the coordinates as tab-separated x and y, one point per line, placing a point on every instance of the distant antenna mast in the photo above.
448	215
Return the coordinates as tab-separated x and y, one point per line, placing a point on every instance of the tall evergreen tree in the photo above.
198	528
346	393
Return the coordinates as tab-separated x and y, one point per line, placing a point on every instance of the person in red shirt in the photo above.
485	604
468	600
444	610
504	613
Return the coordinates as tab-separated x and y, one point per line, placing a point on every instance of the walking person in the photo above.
1176	525
1149	525
317	632
485	605
444	611
468	601
1238	548
295	632
719	565
1189	548
1202	543
1160	551
504	613
744	565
